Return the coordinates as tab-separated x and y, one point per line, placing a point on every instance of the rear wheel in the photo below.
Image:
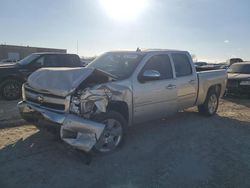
11	89
114	133
210	106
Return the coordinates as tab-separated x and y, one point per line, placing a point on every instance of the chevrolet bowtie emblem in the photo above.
40	98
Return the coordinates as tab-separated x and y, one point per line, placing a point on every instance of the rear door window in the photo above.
182	65
51	61
70	60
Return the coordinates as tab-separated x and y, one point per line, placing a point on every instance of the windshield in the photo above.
239	68
28	59
119	64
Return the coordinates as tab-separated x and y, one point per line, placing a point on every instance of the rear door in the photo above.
52	60
186	80
70	60
59	60
155	99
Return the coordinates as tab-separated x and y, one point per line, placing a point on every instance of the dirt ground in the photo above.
186	150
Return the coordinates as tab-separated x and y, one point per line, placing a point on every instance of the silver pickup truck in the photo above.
94	105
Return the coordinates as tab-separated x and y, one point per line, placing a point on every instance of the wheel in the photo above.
114	133
11	89
210	106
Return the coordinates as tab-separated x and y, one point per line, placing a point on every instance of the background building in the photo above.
13	52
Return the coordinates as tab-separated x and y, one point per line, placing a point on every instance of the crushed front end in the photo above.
77	131
71	108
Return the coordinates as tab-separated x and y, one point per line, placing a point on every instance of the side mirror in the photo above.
150	75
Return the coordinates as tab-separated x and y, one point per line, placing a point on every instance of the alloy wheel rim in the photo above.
11	90
111	136
212	103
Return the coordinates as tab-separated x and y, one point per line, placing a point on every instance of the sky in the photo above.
213	30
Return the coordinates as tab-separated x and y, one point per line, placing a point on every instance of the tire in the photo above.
114	133
210	106
11	89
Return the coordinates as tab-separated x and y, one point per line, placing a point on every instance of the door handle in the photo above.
171	86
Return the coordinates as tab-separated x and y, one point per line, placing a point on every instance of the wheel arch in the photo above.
216	88
120	107
204	107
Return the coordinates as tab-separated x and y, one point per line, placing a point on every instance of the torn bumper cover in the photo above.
76	131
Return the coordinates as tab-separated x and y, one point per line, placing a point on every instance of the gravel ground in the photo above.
186	150
8	112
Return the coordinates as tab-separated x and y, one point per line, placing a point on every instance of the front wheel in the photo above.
210	106
11	89
114	133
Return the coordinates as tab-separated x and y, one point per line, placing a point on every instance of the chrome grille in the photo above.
232	83
46	100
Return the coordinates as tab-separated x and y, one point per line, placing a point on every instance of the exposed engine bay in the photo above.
88	102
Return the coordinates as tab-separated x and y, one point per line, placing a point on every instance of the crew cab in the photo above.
13	75
94	105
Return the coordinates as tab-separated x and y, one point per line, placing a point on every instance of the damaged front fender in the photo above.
76	130
95	100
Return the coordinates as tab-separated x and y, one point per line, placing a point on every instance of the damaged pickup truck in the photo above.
94	105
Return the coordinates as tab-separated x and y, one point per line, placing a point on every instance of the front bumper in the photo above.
74	130
239	90
236	86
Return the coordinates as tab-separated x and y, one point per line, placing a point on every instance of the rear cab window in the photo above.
182	64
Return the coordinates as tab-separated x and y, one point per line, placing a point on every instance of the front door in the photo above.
156	98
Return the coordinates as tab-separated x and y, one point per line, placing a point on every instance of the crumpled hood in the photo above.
237	76
58	81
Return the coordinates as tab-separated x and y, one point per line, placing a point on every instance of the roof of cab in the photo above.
52	53
145	51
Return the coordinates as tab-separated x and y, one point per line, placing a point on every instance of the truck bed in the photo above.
206	79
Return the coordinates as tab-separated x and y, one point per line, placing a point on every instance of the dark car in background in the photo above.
8	61
239	78
12	76
200	64
234	60
208	66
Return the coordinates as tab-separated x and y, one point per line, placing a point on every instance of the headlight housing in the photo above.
75	105
245	82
